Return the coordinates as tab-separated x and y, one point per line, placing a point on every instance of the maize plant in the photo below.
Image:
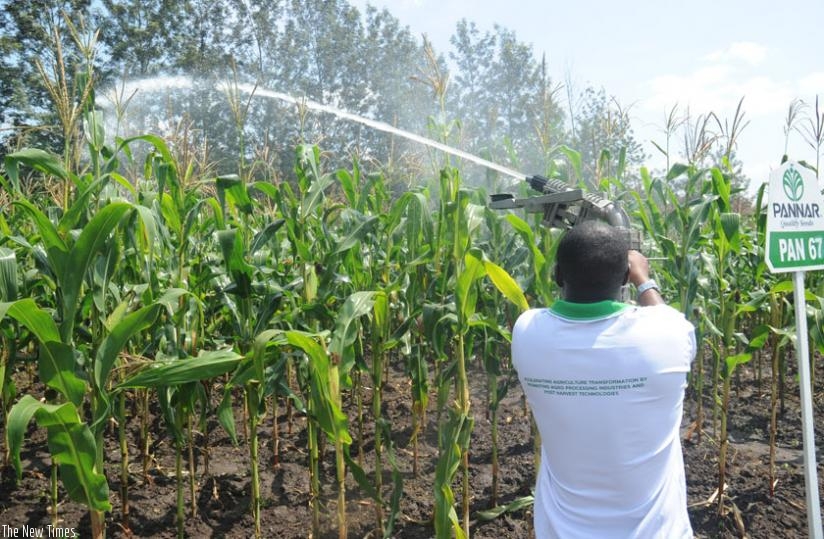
247	304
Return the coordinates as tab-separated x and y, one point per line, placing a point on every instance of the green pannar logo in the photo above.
793	184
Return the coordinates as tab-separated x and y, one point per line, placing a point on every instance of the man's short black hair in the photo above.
592	258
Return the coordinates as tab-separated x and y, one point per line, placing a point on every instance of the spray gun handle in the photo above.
564	206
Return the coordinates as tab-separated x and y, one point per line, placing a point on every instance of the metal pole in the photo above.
810	463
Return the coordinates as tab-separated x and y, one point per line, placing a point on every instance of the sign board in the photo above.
795	239
795	220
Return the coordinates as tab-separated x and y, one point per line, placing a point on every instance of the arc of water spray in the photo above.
180	82
380	126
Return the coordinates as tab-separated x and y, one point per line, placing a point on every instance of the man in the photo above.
605	381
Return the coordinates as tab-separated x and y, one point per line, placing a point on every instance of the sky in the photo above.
652	55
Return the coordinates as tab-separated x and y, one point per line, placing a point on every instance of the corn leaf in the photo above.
226	416
231	244
48	232
170	212
314	195
782	287
57	366
465	292
71	445
148	230
262	341
205	366
454	436
731	224
114	342
37	159
357	233
721	186
575	161
356	305
124	183
8	274
154	140
734	361
266	188
525	231
236	191
56	360
80	205
329	416
89	243
506	285
347	183
516	505
265	235
676	170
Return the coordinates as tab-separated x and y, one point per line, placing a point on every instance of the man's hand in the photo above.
638	268
638	274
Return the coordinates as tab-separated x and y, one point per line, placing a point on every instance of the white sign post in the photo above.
795	243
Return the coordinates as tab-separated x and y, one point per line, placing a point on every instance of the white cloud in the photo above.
716	84
721	81
747	51
716	89
763	96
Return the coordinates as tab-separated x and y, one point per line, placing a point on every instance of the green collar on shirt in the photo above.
587	311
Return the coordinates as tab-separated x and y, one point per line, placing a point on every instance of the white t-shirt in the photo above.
606	382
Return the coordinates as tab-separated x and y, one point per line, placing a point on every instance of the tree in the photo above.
470	98
531	118
27	35
504	98
319	51
137	35
395	58
548	121
603	133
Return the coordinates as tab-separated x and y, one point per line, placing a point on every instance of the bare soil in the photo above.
222	498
